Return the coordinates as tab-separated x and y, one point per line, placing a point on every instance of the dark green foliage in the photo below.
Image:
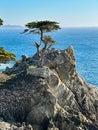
48	42
1	22
41	27
6	56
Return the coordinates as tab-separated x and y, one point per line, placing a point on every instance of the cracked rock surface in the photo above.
51	97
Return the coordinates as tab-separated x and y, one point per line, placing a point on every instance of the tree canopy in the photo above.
1	22
6	56
41	27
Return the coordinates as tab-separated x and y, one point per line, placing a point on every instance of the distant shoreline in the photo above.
63	27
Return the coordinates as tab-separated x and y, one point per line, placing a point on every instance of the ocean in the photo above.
84	40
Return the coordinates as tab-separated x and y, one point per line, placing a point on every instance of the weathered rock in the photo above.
63	61
9	126
39	72
52	97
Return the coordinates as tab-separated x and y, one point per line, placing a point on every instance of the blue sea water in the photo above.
84	41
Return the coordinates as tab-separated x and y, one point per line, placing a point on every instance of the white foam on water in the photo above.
3	66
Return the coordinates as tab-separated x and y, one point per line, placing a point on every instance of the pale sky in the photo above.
66	12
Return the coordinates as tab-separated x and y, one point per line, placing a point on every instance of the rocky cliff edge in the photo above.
51	97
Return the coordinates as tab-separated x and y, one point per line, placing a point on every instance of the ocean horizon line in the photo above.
62	27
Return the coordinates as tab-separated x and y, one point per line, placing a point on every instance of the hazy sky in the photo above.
66	12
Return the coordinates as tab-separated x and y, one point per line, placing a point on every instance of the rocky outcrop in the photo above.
9	126
51	97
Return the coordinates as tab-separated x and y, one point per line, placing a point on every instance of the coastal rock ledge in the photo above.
49	97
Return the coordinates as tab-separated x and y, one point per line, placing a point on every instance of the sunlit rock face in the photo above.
48	97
